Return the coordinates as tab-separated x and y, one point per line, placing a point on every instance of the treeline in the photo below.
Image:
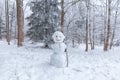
93	23
82	21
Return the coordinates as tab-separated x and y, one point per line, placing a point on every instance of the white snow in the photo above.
31	62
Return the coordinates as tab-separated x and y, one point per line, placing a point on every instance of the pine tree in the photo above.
44	20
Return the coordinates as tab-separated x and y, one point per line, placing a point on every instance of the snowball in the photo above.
59	48
58	60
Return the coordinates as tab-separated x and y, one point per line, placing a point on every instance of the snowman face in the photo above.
58	36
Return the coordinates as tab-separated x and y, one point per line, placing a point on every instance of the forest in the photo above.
59	39
88	22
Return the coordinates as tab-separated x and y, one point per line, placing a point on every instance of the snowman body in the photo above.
58	58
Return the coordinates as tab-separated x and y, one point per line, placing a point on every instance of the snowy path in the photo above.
32	63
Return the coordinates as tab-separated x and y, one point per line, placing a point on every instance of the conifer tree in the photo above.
44	20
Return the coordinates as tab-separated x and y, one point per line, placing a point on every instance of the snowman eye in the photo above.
56	36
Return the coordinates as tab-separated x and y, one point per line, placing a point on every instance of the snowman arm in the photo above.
65	48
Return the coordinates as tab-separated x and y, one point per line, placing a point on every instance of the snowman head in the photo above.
58	37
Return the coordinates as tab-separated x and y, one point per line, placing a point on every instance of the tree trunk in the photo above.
108	28
93	37
105	24
90	35
93	31
7	22
19	22
86	35
62	16
90	28
0	30
22	21
78	39
73	41
87	25
1	25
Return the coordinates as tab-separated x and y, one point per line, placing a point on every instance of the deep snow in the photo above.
31	62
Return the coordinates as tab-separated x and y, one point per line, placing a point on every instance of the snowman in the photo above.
58	58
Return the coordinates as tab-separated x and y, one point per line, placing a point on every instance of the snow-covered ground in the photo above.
31	62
